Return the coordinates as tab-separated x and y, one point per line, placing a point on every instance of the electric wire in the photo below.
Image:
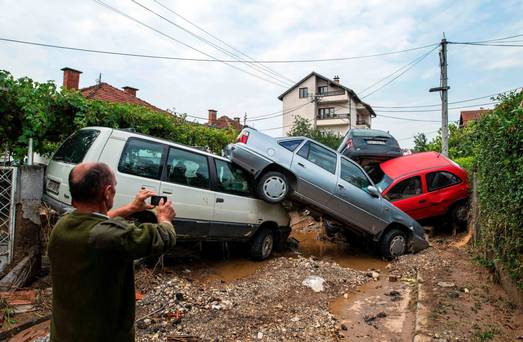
182	43
217	47
212	60
274	72
406	68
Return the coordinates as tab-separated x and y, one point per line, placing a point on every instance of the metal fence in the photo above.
7	213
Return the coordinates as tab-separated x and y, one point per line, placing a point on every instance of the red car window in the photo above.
441	179
406	188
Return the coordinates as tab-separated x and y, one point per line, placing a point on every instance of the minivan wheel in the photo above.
261	244
393	244
273	187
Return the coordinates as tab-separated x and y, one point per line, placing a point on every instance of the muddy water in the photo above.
310	244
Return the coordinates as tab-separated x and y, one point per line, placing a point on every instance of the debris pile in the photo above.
271	304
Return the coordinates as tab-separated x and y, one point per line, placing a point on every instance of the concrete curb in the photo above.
422	314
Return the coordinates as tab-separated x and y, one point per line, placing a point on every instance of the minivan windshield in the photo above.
75	147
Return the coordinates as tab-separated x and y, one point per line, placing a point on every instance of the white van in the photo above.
214	200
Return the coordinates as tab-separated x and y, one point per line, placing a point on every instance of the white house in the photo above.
326	103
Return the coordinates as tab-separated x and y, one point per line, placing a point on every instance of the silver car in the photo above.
306	171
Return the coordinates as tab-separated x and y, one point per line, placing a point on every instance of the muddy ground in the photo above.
220	295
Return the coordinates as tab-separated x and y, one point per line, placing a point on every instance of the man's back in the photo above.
93	277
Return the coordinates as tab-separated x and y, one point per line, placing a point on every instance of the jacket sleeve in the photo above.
133	241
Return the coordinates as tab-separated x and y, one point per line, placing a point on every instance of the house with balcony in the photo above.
326	103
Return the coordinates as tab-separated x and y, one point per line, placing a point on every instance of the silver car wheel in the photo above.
274	187
267	246
397	245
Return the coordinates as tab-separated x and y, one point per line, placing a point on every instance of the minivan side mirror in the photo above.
373	191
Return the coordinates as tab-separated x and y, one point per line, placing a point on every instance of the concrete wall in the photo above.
30	186
292	100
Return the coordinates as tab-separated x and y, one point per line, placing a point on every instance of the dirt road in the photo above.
324	291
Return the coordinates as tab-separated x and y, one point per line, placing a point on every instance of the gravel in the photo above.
271	304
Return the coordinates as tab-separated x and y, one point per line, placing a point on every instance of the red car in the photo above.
425	185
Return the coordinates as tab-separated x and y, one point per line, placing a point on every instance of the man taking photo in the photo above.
91	251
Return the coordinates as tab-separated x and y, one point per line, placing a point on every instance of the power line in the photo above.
485	44
411	137
406	68
219	48
212	60
453	102
277	114
182	43
222	41
435	110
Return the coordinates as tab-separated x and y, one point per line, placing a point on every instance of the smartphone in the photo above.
155	200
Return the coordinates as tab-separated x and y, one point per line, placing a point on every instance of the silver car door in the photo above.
315	168
353	203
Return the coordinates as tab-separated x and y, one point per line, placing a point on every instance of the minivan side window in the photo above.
232	179
441	179
319	155
187	168
406	188
353	174
291	145
74	148
142	158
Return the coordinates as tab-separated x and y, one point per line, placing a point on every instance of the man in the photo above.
91	251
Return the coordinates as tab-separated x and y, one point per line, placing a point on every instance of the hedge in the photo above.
38	110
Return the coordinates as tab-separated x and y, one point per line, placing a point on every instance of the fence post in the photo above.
475	208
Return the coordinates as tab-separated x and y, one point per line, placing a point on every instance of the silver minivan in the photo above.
214	199
306	171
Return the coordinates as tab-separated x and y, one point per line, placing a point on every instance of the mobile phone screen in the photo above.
155	200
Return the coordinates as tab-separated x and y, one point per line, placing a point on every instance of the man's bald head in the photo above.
87	182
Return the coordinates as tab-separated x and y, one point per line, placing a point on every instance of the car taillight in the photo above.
349	144
243	138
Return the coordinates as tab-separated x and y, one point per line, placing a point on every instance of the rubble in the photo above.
271	304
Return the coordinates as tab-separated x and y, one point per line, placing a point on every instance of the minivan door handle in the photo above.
219	200
341	186
167	192
300	164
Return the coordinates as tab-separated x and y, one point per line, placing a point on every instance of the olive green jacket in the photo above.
92	274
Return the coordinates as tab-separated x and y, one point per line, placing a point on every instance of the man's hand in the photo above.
165	211
138	204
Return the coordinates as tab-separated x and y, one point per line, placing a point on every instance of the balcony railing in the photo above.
332	93
332	116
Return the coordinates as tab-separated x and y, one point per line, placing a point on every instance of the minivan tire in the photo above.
273	187
393	244
262	244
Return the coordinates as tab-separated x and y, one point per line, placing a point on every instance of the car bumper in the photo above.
378	155
418	243
59	207
247	160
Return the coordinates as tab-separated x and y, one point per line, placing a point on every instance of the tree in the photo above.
303	127
420	143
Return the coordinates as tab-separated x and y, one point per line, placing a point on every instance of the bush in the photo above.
498	154
37	110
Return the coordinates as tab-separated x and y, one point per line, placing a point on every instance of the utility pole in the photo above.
443	89
245	119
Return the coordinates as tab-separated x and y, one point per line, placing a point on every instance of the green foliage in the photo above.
498	153
493	148
37	110
303	127
420	143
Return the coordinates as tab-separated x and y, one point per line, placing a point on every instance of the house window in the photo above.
304	92
322	90
326	113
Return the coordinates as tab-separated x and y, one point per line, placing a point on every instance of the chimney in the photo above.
212	116
337	79
130	90
71	78
237	119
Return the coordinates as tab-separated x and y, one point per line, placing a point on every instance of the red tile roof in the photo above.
471	115
226	122
106	92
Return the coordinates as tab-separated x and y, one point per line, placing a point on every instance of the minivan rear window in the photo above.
74	148
370	133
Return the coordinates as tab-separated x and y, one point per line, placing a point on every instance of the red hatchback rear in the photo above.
425	185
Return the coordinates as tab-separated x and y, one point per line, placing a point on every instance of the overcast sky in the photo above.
271	30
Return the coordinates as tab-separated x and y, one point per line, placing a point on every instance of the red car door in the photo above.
443	189
409	195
